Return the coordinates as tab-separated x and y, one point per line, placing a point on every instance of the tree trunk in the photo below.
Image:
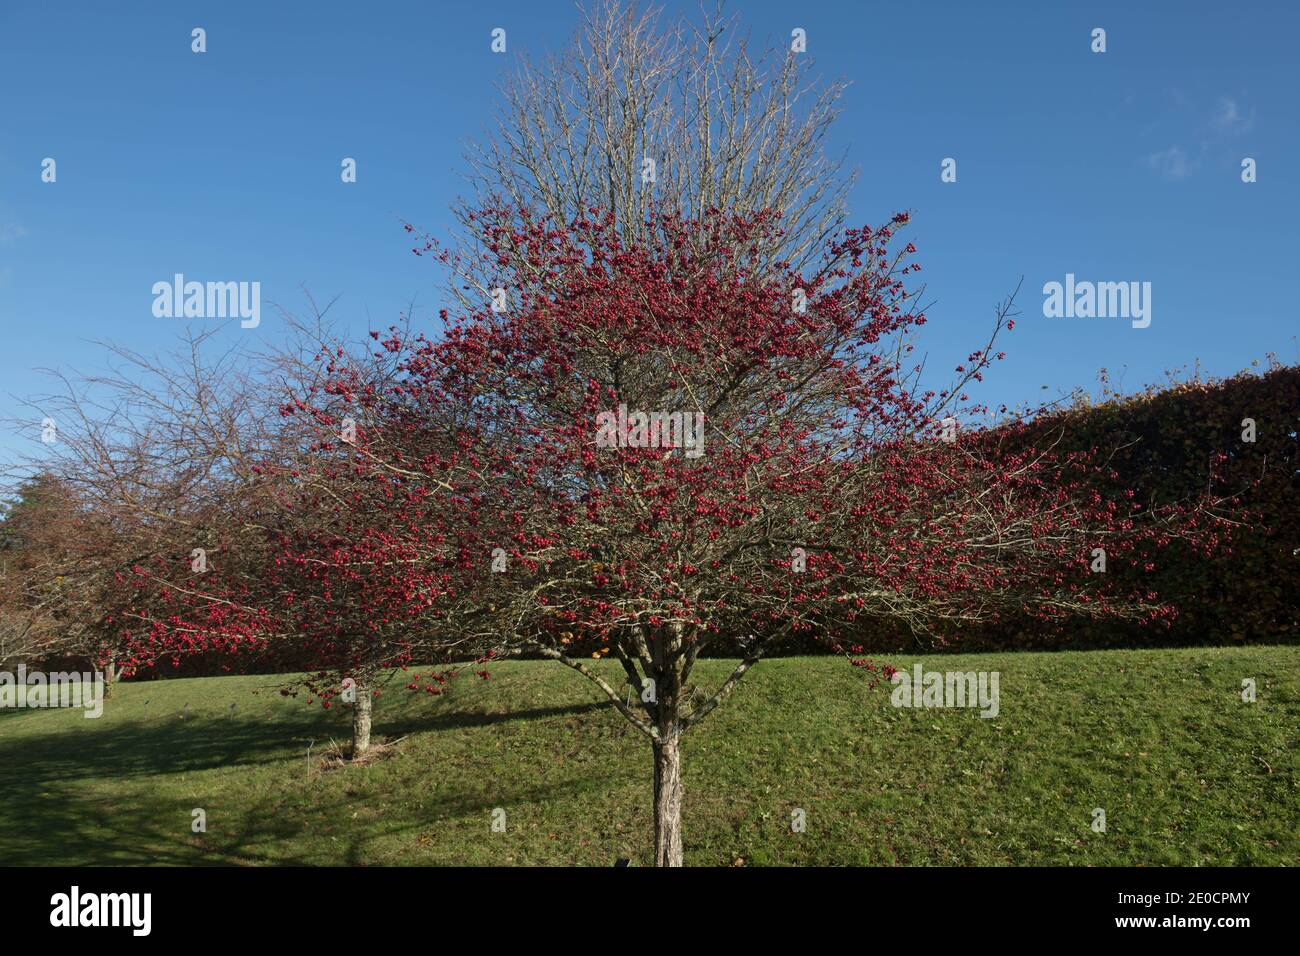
110	678
668	802
361	709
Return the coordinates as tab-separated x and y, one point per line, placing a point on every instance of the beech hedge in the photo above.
1162	444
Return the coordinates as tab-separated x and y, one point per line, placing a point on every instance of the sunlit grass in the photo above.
1186	772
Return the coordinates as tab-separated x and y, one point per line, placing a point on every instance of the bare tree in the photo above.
158	456
641	117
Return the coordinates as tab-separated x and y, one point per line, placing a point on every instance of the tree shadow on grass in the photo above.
53	813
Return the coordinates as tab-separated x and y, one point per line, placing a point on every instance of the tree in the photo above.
163	517
656	202
783	469
363	560
643	117
33	525
245	529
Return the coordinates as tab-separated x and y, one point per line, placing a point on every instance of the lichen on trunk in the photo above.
361	715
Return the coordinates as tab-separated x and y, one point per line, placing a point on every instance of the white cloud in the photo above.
1170	163
1228	118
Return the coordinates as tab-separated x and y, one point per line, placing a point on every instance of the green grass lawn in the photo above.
1186	772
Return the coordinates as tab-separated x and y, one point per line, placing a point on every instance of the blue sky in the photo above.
1118	166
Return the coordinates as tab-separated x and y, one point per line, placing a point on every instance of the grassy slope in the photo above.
1187	772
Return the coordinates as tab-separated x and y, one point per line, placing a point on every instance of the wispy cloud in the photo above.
1209	138
10	232
1170	163
1229	120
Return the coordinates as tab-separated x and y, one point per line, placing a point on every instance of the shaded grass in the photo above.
1186	772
